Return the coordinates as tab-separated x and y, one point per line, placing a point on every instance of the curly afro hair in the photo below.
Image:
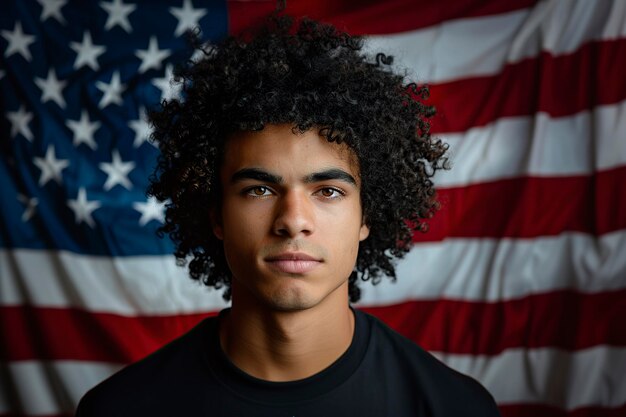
312	76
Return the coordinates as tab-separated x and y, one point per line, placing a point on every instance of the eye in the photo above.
331	193
258	191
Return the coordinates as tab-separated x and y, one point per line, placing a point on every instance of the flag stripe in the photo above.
537	146
556	85
549	376
491	270
484	270
38	395
565	319
141	285
542	320
531	207
86	336
482	46
359	17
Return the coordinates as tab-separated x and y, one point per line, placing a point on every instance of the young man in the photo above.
294	166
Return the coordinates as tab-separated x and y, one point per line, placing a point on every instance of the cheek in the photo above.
344	230
242	225
240	242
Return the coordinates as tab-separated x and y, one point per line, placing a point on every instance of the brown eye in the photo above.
330	193
259	191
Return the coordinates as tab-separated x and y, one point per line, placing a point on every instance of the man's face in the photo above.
291	218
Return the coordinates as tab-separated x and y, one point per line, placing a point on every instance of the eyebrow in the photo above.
265	176
330	174
256	174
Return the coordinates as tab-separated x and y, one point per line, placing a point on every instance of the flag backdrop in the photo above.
521	281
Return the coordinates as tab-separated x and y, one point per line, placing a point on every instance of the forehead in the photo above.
277	148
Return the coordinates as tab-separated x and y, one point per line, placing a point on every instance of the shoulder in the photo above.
142	382
445	390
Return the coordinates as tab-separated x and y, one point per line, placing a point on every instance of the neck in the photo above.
286	345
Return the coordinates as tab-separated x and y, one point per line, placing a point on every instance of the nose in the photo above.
294	215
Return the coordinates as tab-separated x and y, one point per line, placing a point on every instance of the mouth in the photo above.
293	262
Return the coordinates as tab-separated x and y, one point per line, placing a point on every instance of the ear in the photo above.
364	232
216	223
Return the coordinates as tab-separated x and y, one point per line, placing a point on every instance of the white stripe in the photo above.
50	388
538	145
128	286
465	269
590	377
568	380
497	270
484	45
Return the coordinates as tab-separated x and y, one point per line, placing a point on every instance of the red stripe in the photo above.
58	333
558	85
540	410
529	207
565	319
372	16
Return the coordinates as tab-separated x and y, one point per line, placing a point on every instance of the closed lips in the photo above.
293	263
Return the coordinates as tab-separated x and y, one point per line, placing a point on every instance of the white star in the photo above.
152	209
84	130
52	8
51	88
112	91
168	89
187	16
82	208
19	122
50	167
18	42
152	57
141	127
117	171
87	52
118	14
30	203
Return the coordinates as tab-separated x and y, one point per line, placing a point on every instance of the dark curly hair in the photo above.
313	76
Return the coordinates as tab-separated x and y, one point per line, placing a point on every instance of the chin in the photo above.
292	298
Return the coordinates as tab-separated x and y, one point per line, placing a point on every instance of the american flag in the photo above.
520	283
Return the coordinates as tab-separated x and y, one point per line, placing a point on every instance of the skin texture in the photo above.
288	195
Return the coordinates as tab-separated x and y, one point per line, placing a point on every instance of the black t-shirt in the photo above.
381	374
